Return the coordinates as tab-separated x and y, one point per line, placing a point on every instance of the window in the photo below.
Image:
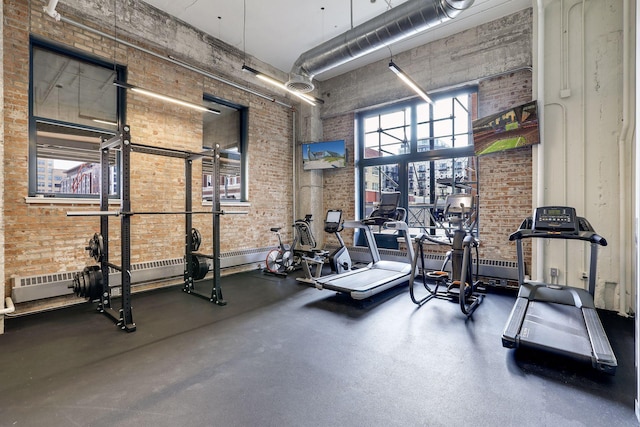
228	130
424	151
73	105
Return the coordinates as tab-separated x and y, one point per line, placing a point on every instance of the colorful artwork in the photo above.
513	128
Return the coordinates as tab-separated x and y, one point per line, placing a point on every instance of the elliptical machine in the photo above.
460	284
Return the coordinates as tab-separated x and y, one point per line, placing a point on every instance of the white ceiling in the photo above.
278	31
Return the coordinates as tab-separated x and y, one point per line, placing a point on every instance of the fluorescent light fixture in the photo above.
309	99
407	80
98	120
165	97
105	122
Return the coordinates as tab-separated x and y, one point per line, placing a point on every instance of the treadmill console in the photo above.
555	219
557	222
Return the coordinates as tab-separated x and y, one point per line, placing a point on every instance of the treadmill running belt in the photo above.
556	327
362	280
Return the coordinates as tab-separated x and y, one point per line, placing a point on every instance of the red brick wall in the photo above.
505	178
40	238
339	184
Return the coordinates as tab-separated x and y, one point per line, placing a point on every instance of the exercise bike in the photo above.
459	284
286	258
339	259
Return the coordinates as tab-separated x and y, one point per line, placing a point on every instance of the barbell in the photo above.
130	213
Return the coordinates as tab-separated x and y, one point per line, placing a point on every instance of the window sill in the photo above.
66	201
69	201
229	203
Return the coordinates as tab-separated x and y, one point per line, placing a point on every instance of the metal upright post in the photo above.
105	295
457	253
188	204
216	291
126	316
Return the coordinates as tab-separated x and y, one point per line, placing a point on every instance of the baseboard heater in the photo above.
31	288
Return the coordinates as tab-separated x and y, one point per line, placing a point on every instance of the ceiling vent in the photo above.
394	25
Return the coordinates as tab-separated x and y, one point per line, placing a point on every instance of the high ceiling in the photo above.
278	31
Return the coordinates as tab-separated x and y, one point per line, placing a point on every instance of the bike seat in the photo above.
275	229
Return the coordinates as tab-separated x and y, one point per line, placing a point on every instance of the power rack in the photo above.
95	284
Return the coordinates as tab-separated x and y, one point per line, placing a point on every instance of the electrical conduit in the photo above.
540	147
50	10
10	308
623	140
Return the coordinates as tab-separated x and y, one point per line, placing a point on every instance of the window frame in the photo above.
81	56
243	130
413	155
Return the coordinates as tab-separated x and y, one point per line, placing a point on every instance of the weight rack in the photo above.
123	317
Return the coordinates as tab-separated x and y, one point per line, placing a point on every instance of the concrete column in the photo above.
309	185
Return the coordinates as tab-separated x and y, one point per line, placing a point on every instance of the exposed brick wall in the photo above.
505	178
505	200
505	91
472	55
40	238
339	185
2	295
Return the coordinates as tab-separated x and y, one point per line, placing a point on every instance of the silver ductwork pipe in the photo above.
394	25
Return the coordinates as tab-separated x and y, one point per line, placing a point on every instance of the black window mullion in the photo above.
429	157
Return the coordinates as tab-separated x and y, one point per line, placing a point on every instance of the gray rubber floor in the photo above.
284	354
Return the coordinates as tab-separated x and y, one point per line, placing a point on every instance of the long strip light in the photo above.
407	80
105	122
166	98
308	99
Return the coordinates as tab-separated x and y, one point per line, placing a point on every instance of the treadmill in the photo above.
379	275
555	318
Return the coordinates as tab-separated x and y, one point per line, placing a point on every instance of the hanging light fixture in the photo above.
166	98
409	82
274	82
265	78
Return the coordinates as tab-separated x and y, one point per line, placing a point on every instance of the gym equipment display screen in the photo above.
334	216
324	155
513	128
555	219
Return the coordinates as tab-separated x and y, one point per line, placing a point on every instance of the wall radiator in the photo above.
31	288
